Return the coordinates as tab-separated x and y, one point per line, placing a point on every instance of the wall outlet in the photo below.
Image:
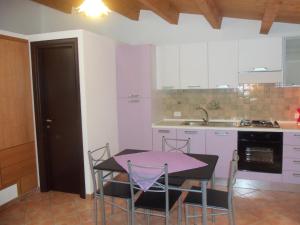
177	114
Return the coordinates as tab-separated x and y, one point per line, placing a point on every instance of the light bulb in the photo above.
94	8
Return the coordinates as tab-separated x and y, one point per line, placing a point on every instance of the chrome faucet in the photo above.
206	113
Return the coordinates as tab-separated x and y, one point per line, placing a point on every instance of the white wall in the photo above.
98	90
20	16
27	17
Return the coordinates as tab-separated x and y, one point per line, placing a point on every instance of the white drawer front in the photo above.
291	164
292	177
291	138
290	151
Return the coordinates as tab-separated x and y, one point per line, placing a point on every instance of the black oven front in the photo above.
260	151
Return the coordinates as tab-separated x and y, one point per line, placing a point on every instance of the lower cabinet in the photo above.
18	166
221	143
159	133
291	158
134	120
197	139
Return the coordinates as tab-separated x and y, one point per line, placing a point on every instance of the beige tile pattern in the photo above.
253	207
249	101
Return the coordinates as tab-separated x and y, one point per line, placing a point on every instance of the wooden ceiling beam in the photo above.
56	4
211	12
163	8
129	9
270	14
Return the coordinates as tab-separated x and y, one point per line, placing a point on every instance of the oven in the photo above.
260	151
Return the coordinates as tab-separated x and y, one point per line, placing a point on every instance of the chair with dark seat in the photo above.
176	145
111	189
221	201
157	198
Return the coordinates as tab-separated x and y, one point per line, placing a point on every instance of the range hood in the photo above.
261	75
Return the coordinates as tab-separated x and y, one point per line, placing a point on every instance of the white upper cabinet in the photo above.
260	60
260	54
193	66
292	61
167	67
223	64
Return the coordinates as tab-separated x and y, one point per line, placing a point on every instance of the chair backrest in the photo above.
143	174
233	172
181	145
97	156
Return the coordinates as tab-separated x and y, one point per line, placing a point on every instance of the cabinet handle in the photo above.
133	96
296	161
194	86
296	135
167	87
191	132
221	133
223	86
296	149
134	101
296	174
164	131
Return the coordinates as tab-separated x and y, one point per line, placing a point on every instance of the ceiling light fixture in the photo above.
94	8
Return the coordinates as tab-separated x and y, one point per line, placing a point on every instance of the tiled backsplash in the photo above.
249	102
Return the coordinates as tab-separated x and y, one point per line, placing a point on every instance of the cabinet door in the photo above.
167	67
260	53
134	70
197	139
193	66
135	131
221	143
223	64
159	133
292	61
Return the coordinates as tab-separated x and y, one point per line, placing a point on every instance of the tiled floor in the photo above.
253	207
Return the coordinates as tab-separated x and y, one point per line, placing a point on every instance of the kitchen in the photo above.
246	83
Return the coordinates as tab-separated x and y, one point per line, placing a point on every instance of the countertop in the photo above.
285	126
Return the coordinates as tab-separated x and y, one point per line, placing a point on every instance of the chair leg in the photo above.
112	205
231	214
195	215
128	202
179	210
95	210
148	216
186	214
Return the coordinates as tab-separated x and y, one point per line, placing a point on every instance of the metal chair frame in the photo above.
186	144
93	161
156	187
230	210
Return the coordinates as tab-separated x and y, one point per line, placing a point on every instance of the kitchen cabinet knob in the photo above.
48	120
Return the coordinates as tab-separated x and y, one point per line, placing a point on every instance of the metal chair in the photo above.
157	198
111	189
216	200
184	147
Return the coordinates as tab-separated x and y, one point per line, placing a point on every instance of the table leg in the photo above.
213	180
204	202
101	200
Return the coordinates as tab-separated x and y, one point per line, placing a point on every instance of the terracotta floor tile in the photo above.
252	207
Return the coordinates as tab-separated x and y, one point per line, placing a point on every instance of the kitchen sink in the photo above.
209	124
194	123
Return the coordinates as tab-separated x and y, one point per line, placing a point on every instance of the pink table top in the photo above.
176	162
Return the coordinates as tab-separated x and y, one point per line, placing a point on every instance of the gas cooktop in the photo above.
259	123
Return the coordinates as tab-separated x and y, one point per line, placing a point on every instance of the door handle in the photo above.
48	120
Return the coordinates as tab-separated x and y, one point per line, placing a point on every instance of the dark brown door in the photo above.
58	115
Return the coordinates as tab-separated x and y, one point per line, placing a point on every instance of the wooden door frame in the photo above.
40	134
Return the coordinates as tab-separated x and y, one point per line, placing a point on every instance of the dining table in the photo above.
202	174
